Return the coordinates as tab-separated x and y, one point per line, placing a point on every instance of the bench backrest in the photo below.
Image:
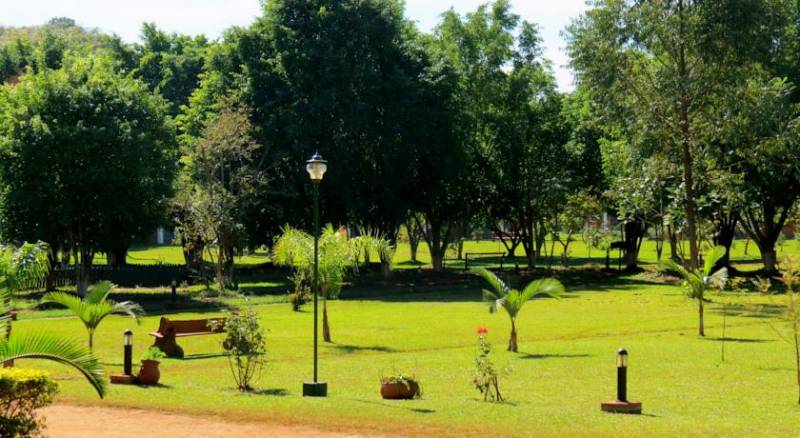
191	325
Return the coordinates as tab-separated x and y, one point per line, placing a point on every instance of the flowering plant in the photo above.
486	378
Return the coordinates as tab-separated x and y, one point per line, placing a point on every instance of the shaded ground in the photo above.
66	421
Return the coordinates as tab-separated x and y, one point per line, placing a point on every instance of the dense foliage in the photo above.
86	160
22	392
683	126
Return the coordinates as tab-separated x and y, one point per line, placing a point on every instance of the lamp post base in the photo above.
315	389
621	407
122	379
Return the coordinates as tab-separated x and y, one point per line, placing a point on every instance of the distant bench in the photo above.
169	330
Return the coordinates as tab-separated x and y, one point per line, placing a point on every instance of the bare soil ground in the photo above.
64	421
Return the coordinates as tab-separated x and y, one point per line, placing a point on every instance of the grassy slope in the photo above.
565	367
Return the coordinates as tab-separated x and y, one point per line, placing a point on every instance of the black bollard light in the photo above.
622	375
174	286
128	367
621	404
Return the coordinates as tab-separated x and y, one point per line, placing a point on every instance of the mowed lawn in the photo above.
554	386
746	255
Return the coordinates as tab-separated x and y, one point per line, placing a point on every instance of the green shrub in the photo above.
22	391
246	346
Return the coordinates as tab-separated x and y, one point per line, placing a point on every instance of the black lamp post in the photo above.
128	338
316	168
622	375
174	286
621	404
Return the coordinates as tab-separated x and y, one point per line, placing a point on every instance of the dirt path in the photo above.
65	421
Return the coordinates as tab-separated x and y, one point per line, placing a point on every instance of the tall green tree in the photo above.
87	157
657	66
338	77
759	143
221	180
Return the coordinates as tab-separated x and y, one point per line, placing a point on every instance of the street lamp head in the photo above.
622	358
128	337
316	167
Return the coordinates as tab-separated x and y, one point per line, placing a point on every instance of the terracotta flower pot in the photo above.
149	373
399	390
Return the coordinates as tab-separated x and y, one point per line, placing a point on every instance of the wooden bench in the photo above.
169	330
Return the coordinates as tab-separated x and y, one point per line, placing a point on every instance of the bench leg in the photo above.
169	347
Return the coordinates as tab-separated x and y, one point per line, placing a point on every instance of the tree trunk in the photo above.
118	257
673	243
91	340
690	208
797	360
769	257
634	233
230	266
724	235
414	245
83	271
700	311
52	259
512	340
326	329
659	231
437	244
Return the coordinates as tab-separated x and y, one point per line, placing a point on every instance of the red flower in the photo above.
482	330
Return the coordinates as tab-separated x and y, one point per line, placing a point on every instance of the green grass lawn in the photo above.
565	368
746	256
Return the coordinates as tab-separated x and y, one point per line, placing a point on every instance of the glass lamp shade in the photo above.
622	358
128	337
316	167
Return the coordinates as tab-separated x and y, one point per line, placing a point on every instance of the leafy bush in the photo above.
246	346
22	391
153	353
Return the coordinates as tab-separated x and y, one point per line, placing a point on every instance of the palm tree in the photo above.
49	348
95	306
697	281
21	268
512	300
338	256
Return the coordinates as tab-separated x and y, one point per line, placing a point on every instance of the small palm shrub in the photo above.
22	392
95	306
512	300
246	346
697	282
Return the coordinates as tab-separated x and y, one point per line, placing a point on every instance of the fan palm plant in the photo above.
21	268
512	300
49	348
93	308
338	255
697	282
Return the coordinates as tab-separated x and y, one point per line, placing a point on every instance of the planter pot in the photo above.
149	373
399	391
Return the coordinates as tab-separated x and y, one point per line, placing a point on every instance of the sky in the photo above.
212	17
